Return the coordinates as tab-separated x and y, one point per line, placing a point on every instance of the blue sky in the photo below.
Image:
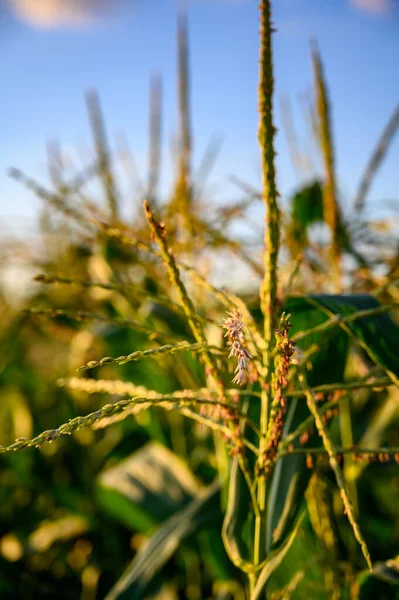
46	69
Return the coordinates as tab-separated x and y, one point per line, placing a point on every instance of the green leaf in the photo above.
328	364
382	583
213	554
239	521
238	524
305	556
307	207
289	481
378	334
197	515
291	475
147	487
274	560
388	570
306	210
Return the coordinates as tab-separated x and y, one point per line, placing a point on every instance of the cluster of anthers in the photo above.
234	326
284	351
285	348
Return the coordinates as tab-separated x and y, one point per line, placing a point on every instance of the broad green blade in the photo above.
291	475
238	524
274	560
388	570
382	583
239	521
197	515
148	487
377	333
379	336
306	209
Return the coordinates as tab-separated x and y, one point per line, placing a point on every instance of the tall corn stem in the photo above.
102	151
184	109
268	291
186	302
155	138
181	205
330	201
376	159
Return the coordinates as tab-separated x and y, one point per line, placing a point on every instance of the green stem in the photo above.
381	382
140	354
304	426
346	431
391	451
330	202
185	300
268	291
167	401
334	464
252	583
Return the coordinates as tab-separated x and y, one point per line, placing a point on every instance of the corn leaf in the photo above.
161	546
147	488
239	521
273	561
291	475
379	336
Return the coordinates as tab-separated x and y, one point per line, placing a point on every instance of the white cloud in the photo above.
374	6
57	13
75	13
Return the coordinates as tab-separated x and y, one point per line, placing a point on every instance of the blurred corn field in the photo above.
166	437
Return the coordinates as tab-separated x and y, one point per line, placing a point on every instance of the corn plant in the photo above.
272	425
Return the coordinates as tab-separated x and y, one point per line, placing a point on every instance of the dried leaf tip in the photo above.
147	208
158	230
234	326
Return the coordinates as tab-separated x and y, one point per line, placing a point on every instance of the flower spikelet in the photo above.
285	348
234	332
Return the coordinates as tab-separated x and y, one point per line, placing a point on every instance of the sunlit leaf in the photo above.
198	514
291	475
146	488
273	560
